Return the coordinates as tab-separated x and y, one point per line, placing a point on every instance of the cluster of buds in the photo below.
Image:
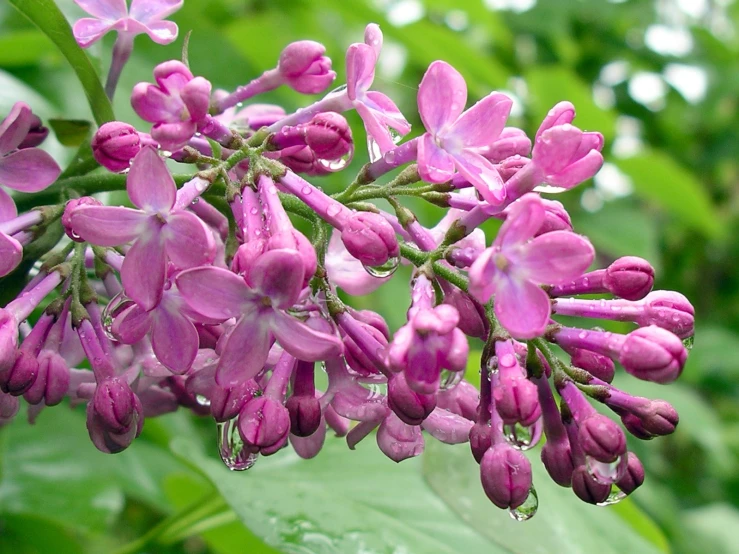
204	296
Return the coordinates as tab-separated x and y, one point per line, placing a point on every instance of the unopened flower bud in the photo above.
635	426
410	406
653	354
305	415
597	365
588	489
36	134
226	402
9	406
516	400
52	381
115	404
662	418
481	439
8	340
506	476
115	144
601	438
634	476
556	218
370	238
669	310
630	278
21	375
305	68
265	423
69	209
557	459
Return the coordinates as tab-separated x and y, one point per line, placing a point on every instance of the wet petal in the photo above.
434	164
214	292
561	114
482	273
104	9
188	240
148	11
483	176
556	258
346	272
174	338
11	254
278	274
245	351
360	69
143	271
442	96
132	325
8	210
28	170
149	184
15	127
523	219
108	225
522	307
88	30
303	342
482	123
577	172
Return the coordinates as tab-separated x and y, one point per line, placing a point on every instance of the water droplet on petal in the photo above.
606	473
231	448
527	510
688	342
614	497
384	270
165	153
117	305
394	135
520	437
450	379
202	400
333	210
254	211
374	149
583	335
507	360
306	190
338	164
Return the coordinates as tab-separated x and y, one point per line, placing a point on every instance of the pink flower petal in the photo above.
148	11
577	172
482	273
483	176
172	136
434	164
214	292
482	123
174	338
104	9
245	351
132	325
149	184
11	254
143	271
522	307
556	147
154	105
442	96
162	32
28	170
560	114
8	210
303	342
523	220
373	38
108	225
556	258
375	127
278	274
15	127
188	240
360	69
88	31
389	113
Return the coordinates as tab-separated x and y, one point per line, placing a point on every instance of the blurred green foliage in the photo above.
660	79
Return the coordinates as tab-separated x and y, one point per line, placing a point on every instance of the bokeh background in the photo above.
660	79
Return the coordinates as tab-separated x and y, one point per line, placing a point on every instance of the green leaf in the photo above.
562	524
30	534
25	47
342	501
51	469
70	132
711	529
657	177
47	16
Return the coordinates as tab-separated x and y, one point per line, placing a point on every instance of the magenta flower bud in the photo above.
226	402
52	382
511	142
557	460
597	365
305	68
516	398
115	404
634	476
634	425
506	476
370	239
246	255
105	439
293	239
481	440
8	340
115	144
327	135
653	354
556	218
461	400
601	438
669	310
661	418
69	209
408	405
305	415
630	278
357	358
373	319
37	133
265	423
21	375
588	489
399	441
472	320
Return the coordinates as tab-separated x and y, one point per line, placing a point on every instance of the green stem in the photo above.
418	258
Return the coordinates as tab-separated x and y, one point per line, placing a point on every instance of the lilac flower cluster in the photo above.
206	297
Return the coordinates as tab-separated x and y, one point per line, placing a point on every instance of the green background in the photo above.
659	79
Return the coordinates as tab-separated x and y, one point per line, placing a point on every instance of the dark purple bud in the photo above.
370	238
557	459
104	438
305	68
373	319
597	365
588	489
472	320
408	405
21	375
506	476
653	354
115	404
115	144
399	441
634	476
516	400
635	426
305	415
52	381
36	134
481	439
601	438
265	423
662	418
356	358
67	215
629	277
669	310
226	402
